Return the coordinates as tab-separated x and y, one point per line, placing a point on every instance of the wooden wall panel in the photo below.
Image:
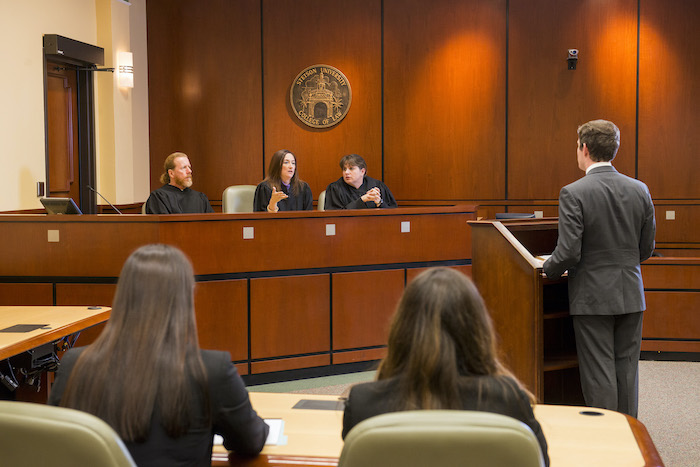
26	294
294	363
363	355
670	346
444	99
547	102
672	315
669	97
363	304
280	326
205	89
222	316
677	223
345	34
673	274
270	247
85	294
433	126
80	250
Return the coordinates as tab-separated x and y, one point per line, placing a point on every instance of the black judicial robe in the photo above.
303	201
169	199
340	195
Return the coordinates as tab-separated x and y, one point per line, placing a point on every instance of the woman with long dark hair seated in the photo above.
146	376
442	355
282	190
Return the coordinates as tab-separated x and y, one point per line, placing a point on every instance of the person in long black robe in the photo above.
303	201
282	190
170	199
176	196
356	190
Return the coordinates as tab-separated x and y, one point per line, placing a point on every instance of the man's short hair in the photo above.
352	160
168	165
602	138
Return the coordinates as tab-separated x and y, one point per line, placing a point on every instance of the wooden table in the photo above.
58	321
574	439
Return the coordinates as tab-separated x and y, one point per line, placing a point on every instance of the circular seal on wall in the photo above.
320	96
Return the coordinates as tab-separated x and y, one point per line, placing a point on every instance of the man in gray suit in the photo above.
606	228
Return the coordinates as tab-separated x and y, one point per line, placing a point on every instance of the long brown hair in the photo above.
147	357
440	333
274	171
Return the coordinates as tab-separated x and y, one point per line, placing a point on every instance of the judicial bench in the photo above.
278	291
298	290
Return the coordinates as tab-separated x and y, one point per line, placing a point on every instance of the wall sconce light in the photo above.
572	59
125	76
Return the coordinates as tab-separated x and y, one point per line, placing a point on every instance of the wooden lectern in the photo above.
530	312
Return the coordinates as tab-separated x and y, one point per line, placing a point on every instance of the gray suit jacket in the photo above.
606	228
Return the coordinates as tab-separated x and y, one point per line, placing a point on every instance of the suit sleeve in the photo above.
568	251
233	416
646	239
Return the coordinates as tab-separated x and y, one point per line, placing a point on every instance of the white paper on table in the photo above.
275	437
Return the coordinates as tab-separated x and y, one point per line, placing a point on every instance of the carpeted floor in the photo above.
669	404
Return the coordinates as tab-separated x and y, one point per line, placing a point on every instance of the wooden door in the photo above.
62	121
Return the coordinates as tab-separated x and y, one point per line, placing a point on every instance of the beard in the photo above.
184	181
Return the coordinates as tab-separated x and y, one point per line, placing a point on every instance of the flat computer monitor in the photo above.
60	206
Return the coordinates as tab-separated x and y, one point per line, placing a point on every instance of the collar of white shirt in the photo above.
598	164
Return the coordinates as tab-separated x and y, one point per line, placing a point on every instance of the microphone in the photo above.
98	193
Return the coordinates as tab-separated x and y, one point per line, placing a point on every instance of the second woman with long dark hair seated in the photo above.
282	190
147	378
442	355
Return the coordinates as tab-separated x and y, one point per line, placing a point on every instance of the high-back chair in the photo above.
321	206
36	434
441	438
238	198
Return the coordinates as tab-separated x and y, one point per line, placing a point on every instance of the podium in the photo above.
530	312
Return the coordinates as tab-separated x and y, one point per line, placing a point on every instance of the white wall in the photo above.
22	145
139	104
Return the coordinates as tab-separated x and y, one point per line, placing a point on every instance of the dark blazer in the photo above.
484	393
606	228
232	417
